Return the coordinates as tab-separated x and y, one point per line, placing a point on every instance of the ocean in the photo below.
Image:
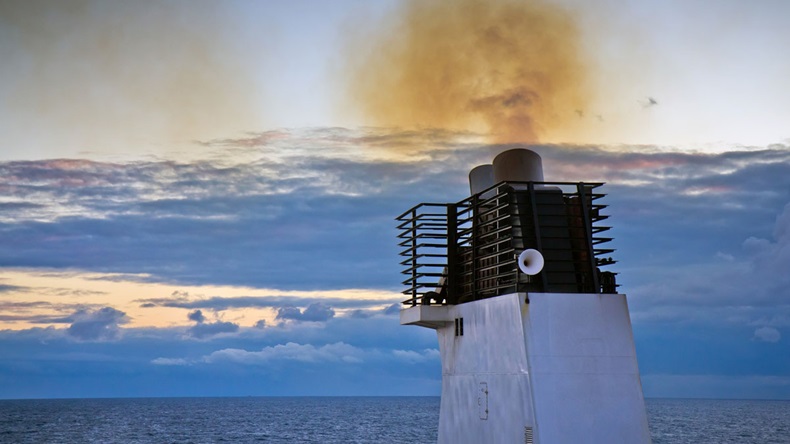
339	420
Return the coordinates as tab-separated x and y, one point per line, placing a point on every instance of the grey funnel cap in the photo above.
518	165
480	178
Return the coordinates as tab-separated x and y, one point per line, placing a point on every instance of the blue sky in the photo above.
198	198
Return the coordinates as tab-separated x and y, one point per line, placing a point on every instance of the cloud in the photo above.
393	310
379	342
258	221
701	239
390	310
5	288
45	312
338	352
315	312
767	334
773	255
431	354
196	316
291	351
7	305
227	302
352	144
170	361
753	289
782	231
266	227
251	362
207	329
289	313
264	222
203	329
361	314
96	325
308	353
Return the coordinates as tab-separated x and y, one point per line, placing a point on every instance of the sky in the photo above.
198	198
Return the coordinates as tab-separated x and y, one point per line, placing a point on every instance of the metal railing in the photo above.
455	253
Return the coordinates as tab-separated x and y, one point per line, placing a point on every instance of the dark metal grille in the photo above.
455	253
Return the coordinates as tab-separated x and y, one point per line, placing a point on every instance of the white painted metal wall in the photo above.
561	369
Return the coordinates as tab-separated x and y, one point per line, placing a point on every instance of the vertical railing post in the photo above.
414	257
453	283
474	243
536	222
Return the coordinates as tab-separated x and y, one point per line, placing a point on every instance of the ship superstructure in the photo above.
535	342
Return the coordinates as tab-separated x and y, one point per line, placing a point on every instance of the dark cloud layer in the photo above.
228	302
5	288
702	242
324	222
205	329
196	316
276	231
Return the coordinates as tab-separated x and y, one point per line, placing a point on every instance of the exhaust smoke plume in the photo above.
511	68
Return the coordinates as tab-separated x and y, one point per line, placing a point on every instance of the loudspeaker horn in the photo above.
530	262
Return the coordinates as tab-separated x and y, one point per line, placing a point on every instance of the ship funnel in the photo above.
510	278
518	165
480	178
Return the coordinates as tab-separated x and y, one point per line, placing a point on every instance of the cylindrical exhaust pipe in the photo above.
480	178
518	165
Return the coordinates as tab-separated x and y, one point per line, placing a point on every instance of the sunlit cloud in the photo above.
36	303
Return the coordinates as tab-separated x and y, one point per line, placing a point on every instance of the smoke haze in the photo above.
513	69
93	71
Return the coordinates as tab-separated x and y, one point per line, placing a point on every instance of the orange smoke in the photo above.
511	68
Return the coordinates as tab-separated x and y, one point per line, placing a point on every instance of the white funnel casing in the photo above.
539	368
518	165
